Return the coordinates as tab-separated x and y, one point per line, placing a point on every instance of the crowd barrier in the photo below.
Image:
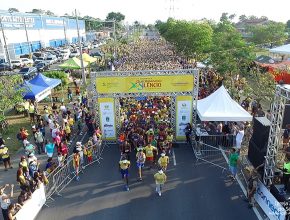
65	173
224	141
31	207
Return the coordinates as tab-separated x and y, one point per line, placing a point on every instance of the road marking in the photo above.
173	157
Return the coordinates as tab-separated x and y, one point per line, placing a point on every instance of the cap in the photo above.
78	143
33	126
140	149
160	171
31	155
163	154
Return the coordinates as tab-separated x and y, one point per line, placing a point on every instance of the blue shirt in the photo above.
49	148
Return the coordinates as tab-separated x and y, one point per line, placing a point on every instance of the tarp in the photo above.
285	49
219	106
88	58
41	80
35	92
73	63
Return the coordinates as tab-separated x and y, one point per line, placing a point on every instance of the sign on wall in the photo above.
183	115
144	84
107	118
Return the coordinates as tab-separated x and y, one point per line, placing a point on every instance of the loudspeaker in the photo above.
260	133
286	119
256	156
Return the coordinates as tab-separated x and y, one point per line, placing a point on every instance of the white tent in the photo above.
219	106
285	49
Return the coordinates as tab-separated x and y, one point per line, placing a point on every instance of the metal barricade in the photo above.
64	174
210	154
224	141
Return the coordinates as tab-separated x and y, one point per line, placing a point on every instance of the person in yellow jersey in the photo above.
124	165
163	161
149	152
4	153
31	110
160	179
140	159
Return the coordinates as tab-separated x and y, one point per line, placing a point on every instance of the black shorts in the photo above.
6	159
31	115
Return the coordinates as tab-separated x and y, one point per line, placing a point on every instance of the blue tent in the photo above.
35	92
41	80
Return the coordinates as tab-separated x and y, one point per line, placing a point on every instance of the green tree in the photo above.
288	25
10	92
272	33
230	54
50	13
12	10
117	16
37	11
191	39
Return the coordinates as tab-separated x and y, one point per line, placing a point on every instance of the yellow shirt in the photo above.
124	164
67	129
160	178
4	152
149	151
169	138
71	121
31	109
163	161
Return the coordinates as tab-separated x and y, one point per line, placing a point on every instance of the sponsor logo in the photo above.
274	210
108	125
145	84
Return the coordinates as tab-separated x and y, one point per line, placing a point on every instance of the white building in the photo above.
24	32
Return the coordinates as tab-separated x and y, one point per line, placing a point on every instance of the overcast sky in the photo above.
148	11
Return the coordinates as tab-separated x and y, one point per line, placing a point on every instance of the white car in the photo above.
17	63
27	61
74	53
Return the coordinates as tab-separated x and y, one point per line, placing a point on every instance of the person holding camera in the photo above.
5	200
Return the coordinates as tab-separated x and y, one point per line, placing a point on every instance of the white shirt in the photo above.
63	108
239	136
53	132
4	203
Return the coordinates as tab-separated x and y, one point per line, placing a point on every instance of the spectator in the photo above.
39	141
5	201
233	162
4	153
23	196
49	147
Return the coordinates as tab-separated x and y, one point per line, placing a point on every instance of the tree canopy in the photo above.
272	33
10	93
117	16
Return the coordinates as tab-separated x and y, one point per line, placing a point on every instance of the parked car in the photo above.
28	72
27	61
41	67
64	54
74	53
5	67
17	63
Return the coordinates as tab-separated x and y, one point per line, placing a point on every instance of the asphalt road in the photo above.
193	191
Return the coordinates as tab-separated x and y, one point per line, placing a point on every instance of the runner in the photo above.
76	164
140	159
160	179
124	165
163	161
149	152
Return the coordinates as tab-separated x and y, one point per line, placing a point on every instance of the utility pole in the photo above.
5	43
27	39
64	30
81	50
115	42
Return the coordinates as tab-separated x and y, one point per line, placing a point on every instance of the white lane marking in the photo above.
173	157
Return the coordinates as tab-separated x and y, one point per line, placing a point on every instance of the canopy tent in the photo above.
73	63
35	92
219	106
285	49
41	80
87	58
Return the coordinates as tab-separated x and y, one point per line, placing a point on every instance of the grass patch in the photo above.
15	121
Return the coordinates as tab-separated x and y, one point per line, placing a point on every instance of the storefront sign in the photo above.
183	115
144	84
270	205
107	118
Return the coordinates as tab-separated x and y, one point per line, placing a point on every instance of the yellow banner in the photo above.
143	84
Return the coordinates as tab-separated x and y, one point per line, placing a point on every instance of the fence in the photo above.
64	174
210	149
